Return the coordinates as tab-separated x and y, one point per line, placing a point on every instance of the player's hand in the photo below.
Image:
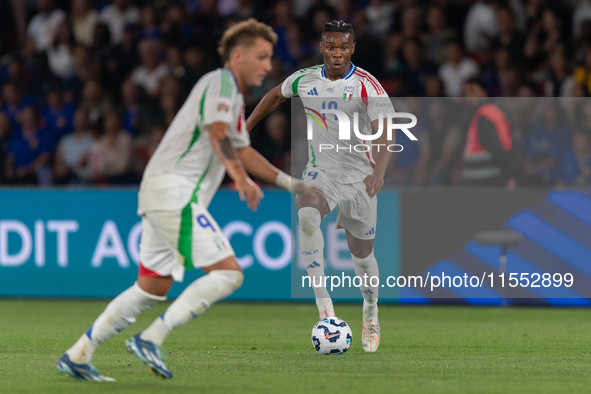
306	190
249	191
373	184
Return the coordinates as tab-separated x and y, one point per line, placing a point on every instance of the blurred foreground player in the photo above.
350	180
207	137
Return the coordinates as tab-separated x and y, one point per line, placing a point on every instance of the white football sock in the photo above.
368	266
312	245
118	315
194	301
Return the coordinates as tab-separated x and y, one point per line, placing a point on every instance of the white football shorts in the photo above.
356	211
173	241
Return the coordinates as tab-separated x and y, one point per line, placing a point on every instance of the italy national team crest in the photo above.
348	93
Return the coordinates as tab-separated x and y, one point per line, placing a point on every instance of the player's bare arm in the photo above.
255	164
265	107
227	155
374	182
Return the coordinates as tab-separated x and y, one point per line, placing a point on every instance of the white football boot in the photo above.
370	336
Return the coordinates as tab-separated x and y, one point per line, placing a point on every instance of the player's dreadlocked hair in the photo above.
338	27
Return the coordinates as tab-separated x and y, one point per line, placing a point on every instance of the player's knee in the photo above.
230	279
363	256
309	220
309	201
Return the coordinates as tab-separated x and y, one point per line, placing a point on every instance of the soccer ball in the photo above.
332	336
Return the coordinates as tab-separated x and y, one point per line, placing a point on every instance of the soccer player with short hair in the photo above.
207	137
350	180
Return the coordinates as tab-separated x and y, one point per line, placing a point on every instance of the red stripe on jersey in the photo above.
239	127
364	94
146	272
371	79
376	85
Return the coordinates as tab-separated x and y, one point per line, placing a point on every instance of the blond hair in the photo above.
244	33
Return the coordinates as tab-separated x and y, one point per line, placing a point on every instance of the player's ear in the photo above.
353	48
236	54
320	47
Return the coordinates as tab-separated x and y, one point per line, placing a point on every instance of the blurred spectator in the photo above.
433	86
509	37
84	19
123	57
100	48
72	156
481	26
152	71
58	114
438	35
117	15
544	36
175	29
5	133
150	29
59	53
379	14
456	70
14	101
198	61
94	101
110	156
546	144
416	69
575	166
560	82
487	157
171	98
439	146
176	65
139	115
581	14
368	50
146	148
582	73
44	26
29	151
275	142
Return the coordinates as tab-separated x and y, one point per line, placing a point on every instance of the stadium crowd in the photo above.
89	87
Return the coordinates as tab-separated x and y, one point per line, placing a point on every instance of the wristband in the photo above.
285	181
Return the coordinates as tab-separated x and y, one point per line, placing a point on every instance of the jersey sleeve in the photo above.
219	98
289	88
377	99
240	137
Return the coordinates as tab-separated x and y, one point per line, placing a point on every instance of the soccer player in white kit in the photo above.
207	137
350	180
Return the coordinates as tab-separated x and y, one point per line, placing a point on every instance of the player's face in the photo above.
255	62
337	48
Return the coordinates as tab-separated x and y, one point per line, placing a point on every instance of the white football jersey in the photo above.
185	167
357	91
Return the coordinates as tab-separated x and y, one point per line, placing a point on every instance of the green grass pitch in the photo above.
266	348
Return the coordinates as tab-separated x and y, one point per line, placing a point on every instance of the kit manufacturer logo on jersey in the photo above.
348	93
313	92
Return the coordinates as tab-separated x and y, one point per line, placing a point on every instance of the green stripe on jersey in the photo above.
304	71
185	244
313	162
294	85
227	87
196	131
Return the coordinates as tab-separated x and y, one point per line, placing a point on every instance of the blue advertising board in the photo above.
85	243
